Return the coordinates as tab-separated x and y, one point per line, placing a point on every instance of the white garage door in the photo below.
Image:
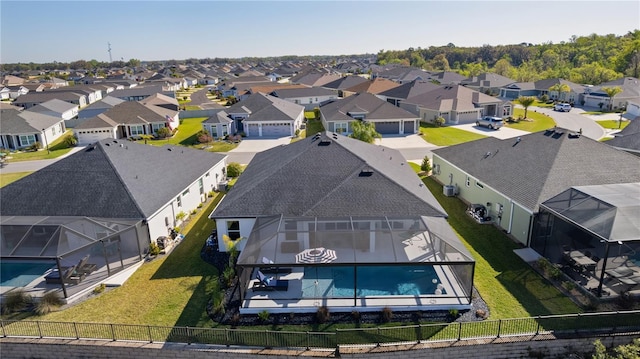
276	129
468	117
92	137
252	129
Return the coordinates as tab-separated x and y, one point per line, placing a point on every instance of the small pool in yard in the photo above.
21	273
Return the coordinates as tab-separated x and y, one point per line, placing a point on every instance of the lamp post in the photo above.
44	135
620	120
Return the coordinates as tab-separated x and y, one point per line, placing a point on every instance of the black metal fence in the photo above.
571	324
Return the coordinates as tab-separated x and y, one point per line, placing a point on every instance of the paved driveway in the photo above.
502	133
412	147
246	149
574	120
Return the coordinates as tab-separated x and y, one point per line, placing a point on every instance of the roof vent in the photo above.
487	154
324	142
168	149
366	172
107	144
574	135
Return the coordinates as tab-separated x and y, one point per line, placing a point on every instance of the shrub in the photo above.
199	205
164	132
544	98
297	132
35	146
211	194
386	315
323	315
181	215
316	112
440	121
194	211
426	164
15	301
99	289
154	250
48	303
568	285
453	313
70	141
234	169
204	137
228	275
263	315
217	302
356	316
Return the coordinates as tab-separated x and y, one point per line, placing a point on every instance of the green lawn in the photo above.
613	124
6	178
56	149
310	115
313	127
539	121
446	136
171	290
192	108
187	136
509	286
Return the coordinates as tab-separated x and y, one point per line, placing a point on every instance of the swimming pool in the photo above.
19	274
338	282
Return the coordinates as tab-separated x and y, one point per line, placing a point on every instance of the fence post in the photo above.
39	330
308	340
150	336
459	331
419	336
188	337
378	337
4	334
226	337
538	327
113	333
75	329
499	327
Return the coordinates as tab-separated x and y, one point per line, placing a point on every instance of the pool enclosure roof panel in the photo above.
305	241
611	211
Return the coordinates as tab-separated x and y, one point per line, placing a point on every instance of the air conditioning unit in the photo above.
449	190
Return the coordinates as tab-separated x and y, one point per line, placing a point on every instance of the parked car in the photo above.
562	107
493	123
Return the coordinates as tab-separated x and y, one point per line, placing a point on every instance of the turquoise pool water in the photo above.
338	282
19	274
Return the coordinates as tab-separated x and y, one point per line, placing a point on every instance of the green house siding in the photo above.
521	223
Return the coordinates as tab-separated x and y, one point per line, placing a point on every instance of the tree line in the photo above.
592	59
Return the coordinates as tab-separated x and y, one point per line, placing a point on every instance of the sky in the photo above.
65	31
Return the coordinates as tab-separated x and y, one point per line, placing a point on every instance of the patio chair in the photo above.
83	266
620	272
273	269
69	276
270	283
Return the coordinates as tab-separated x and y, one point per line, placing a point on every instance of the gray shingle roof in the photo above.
345	82
14	122
324	177
541	164
132	112
628	138
266	108
410	89
302	92
375	108
55	105
456	97
110	181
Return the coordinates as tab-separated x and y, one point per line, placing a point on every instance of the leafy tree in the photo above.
502	67
626	351
234	169
525	101
364	131
426	164
611	92
561	89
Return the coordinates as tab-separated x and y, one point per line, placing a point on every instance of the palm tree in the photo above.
611	92
560	88
526	101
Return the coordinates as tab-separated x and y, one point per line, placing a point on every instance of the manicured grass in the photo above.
542	104
313	127
446	136
310	115
509	286
613	124
192	108
171	290
56	149
187	136
6	178
539	122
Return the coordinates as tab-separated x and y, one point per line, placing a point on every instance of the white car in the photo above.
493	123
562	107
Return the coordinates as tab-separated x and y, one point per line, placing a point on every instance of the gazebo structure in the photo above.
594	232
297	264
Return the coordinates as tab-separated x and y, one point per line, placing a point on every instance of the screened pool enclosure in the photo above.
69	254
299	264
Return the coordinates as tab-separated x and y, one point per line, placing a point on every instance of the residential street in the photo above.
574	121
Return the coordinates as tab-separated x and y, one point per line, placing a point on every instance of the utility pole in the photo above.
109	50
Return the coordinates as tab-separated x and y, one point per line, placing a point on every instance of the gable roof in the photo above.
261	107
301	92
545	84
452	97
374	86
345	82
54	105
133	112
328	175
110	179
628	138
542	164
410	89
16	122
374	107
487	79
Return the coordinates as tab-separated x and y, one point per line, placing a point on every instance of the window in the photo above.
179	201
53	131
340	127
156	126
310	100
186	192
468	183
201	185
233	229
214	131
225	130
26	140
137	130
479	185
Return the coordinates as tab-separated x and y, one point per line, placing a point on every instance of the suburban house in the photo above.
57	108
129	119
388	119
108	202
571	199
628	139
514	90
332	245
446	77
10	80
141	92
542	87
409	89
343	83
374	86
261	115
456	104
314	79
219	124
97	108
309	97
34	98
93	93
160	100
489	83
402	74
594	96
13	92
21	129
